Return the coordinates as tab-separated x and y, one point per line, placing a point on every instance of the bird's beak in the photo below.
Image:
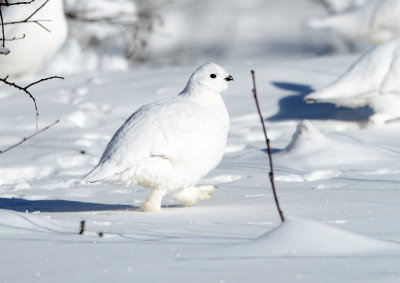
229	78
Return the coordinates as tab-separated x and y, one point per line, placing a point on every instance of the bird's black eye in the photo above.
213	76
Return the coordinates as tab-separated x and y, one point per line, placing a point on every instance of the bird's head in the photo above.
210	78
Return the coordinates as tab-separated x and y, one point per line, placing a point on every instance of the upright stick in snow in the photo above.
271	172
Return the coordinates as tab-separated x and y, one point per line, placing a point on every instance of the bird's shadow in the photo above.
23	205
294	107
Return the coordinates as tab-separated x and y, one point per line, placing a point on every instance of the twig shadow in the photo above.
294	107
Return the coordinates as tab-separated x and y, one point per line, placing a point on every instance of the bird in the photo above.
376	21
169	145
34	43
372	80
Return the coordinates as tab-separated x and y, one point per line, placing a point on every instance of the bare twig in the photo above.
82	227
271	173
25	89
2	28
28	19
15	38
131	29
16	3
29	137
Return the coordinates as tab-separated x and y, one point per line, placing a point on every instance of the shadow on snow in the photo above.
23	205
294	107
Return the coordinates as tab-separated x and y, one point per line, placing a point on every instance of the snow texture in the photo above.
376	21
34	46
333	172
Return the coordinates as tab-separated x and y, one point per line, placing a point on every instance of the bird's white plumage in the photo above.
372	80
170	144
376	21
29	54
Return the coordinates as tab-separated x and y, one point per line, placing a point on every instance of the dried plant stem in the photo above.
29	137
25	89
2	29
82	225
27	19
16	3
271	172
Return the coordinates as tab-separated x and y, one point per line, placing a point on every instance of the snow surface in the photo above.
338	182
354	235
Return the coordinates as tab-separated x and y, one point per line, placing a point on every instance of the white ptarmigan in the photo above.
170	144
36	45
372	80
376	21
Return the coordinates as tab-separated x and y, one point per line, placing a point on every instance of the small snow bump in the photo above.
78	118
81	91
230	148
22	186
289	178
224	179
321	175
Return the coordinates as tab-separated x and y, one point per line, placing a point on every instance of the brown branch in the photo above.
25	89
271	173
29	137
42	80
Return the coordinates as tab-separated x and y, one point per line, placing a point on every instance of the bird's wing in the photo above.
129	145
165	131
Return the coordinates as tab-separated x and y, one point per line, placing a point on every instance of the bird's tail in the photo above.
92	176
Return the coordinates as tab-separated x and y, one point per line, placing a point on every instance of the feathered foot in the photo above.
192	195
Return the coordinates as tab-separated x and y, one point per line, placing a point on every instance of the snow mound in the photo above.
306	139
371	81
316	151
303	237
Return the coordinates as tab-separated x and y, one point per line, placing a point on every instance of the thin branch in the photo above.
271	173
2	28
29	137
28	19
25	89
42	80
37	10
16	3
15	38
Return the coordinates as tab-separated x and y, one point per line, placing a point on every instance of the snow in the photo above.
43	39
370	81
375	21
337	181
42	199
